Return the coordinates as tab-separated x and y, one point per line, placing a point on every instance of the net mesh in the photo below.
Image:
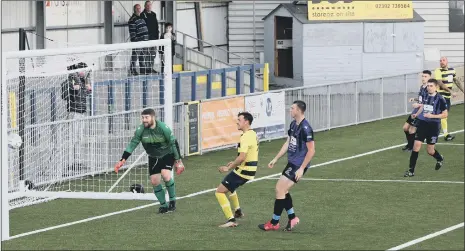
75	114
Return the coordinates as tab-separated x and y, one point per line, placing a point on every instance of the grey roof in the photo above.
300	12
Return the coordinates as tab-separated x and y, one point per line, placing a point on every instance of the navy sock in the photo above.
289	207
411	140
437	156
278	209
413	161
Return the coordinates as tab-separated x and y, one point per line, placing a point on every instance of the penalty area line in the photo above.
199	193
426	237
393	181
449	144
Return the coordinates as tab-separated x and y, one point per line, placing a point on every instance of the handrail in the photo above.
216	47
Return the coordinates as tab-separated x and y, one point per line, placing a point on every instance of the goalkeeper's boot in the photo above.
163	210
291	224
449	137
269	226
230	223
238	213
172	206
439	164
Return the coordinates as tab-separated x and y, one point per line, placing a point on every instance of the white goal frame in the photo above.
168	119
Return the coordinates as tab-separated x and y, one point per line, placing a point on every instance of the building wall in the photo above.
214	19
334	53
21	14
269	44
436	32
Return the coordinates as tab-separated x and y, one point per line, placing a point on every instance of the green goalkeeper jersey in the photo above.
157	142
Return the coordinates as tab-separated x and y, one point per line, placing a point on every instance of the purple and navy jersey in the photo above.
299	135
422	95
435	105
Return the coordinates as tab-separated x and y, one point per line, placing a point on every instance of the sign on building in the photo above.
359	10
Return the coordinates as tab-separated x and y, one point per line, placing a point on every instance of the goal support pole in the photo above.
168	95
5	217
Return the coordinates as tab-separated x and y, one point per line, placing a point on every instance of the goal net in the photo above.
75	110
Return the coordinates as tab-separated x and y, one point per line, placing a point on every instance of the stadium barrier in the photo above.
208	125
211	124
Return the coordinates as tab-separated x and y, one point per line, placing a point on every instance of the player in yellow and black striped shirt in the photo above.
245	167
448	78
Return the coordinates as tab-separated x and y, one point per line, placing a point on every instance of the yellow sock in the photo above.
225	206
234	200
444	126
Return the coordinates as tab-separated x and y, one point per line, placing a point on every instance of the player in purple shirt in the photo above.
410	125
300	148
429	115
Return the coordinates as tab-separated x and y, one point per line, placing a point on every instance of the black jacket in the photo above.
152	24
76	100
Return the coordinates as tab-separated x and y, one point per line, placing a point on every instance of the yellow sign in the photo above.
359	10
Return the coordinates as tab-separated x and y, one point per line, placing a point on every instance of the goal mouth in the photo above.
75	110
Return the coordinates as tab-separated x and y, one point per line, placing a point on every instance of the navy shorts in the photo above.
411	121
289	171
232	181
427	131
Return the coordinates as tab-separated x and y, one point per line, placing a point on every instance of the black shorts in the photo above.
411	121
428	131
157	164
289	171
448	103
232	181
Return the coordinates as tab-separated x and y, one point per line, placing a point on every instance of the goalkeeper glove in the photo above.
119	165
179	167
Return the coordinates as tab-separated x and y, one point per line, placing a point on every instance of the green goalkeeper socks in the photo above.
171	187
160	194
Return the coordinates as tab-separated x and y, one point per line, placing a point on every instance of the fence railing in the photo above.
136	92
328	106
212	57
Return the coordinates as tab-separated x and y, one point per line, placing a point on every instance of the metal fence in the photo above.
106	135
212	57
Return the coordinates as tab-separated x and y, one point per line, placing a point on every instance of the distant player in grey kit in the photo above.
300	148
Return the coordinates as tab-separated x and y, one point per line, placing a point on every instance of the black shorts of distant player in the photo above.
427	131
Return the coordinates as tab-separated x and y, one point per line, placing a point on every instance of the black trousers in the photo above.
143	55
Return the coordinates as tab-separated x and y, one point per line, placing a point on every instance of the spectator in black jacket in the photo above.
168	34
75	91
138	32
150	18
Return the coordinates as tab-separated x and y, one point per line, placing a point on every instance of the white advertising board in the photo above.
269	112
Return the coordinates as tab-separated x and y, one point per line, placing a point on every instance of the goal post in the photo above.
74	131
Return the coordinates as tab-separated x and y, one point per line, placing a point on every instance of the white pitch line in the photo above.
449	144
398	181
198	193
426	237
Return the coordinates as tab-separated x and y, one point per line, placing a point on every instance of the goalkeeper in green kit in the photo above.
163	151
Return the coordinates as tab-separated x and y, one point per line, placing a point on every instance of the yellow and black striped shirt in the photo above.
248	145
447	76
